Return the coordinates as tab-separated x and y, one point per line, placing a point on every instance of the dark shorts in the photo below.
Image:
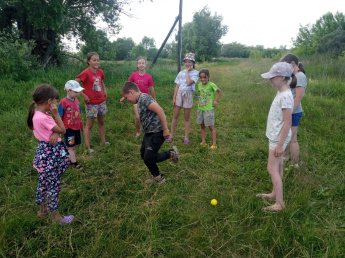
295	118
72	137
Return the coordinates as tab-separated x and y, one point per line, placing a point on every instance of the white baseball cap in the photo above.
73	85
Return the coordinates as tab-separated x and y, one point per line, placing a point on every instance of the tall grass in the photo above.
117	215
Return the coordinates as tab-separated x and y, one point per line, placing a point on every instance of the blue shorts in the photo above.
93	111
72	137
295	118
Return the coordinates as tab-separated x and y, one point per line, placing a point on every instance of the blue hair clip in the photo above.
293	75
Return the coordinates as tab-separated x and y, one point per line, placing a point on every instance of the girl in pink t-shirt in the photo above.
52	158
145	84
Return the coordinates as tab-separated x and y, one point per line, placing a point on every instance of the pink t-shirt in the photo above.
43	125
143	81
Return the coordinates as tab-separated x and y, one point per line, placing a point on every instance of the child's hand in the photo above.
54	139
278	151
174	102
190	68
52	106
105	92
122	100
166	133
86	98
215	103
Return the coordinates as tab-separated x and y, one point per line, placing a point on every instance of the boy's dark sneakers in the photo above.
174	155
160	179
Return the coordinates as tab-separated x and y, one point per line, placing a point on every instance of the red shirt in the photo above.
92	84
70	111
143	81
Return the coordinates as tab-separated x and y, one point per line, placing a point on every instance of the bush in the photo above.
16	60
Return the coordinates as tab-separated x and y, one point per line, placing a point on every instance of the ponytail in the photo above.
301	67
30	116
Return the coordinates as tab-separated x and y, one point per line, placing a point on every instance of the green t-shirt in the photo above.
206	95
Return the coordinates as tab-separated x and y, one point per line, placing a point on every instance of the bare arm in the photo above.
104	89
287	117
152	92
60	127
175	93
188	79
215	102
154	107
299	96
85	97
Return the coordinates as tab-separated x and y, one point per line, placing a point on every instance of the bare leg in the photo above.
294	146
137	121
87	131
101	129
213	133
187	122
43	208
174	120
56	216
275	169
72	156
203	133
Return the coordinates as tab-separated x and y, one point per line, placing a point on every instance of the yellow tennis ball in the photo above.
214	202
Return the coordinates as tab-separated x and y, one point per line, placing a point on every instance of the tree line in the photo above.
31	32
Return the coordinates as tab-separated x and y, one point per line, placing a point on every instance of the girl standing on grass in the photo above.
51	158
278	131
183	95
145	84
298	86
207	102
94	95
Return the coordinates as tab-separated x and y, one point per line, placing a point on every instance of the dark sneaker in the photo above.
158	179
174	157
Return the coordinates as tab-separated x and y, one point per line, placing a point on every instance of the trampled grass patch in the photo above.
117	215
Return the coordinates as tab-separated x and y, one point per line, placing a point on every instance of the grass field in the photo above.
117	215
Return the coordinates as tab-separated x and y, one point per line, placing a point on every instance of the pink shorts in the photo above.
184	99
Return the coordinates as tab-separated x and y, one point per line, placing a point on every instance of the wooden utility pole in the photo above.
164	42
179	50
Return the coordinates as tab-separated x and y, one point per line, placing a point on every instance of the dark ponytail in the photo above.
42	93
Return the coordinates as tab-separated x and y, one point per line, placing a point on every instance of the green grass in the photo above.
117	215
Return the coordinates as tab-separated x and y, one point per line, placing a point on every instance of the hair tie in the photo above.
299	63
293	75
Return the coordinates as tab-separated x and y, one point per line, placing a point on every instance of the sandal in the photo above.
203	144
272	209
169	139
67	219
186	141
75	165
213	147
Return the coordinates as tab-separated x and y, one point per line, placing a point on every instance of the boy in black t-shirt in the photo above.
153	121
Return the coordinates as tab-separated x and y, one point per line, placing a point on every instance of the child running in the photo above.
183	95
94	95
278	131
51	158
70	110
153	120
207	102
145	84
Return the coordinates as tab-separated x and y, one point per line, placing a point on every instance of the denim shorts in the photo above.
72	137
92	111
205	117
295	118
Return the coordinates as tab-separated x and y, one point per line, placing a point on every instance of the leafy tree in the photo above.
333	42
309	37
97	41
202	35
46	22
138	50
123	46
148	43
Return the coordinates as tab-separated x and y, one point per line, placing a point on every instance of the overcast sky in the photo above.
270	23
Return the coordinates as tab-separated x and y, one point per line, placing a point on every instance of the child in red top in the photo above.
70	110
94	95
145	84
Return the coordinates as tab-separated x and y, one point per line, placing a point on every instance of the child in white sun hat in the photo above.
183	95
